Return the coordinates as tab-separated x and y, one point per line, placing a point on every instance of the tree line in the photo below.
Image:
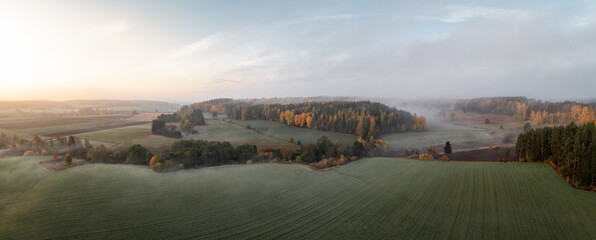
538	112
186	154
363	118
191	153
570	150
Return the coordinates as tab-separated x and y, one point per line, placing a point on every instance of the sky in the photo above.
186	51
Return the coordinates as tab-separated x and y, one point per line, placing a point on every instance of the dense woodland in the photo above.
570	150
538	112
188	118
195	116
366	119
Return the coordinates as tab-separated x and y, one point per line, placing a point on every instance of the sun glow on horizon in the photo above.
53	53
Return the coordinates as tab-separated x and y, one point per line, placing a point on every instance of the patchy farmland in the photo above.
62	126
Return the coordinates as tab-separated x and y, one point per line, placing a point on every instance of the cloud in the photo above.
584	21
462	14
201	45
532	56
323	18
225	81
105	31
336	17
265	54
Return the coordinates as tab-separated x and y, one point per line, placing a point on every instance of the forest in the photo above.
187	117
539	112
570	150
364	118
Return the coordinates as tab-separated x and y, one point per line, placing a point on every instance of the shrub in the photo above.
444	158
119	156
55	156
186	126
447	148
99	154
246	152
426	157
432	151
159	164
552	165
249	162
30	153
138	154
68	159
44	152
564	171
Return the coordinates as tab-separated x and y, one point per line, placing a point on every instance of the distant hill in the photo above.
74	105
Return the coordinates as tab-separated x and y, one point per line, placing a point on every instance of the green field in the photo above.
305	135
215	130
437	134
80	127
369	198
63	126
125	137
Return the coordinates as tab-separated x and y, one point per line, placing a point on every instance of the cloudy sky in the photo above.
186	51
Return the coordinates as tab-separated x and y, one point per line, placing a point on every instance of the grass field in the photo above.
123	138
64	126
460	137
369	198
286	132
214	131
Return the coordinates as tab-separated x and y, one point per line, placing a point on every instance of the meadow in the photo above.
122	138
369	198
64	126
305	135
215	130
437	133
